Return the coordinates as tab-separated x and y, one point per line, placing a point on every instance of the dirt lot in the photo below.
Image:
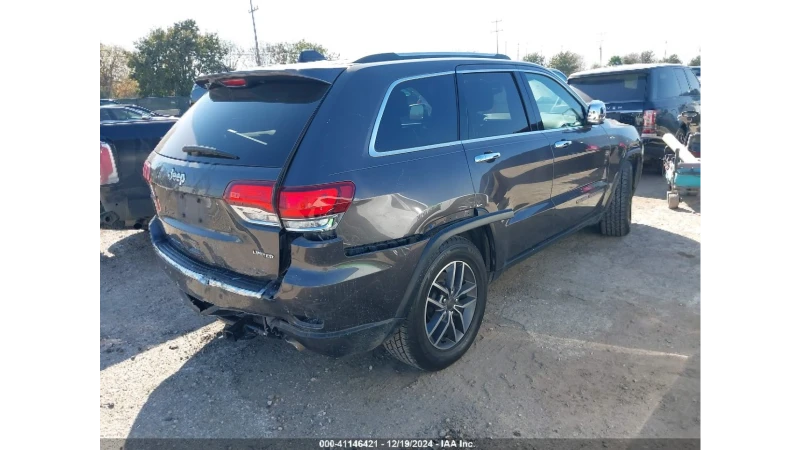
593	337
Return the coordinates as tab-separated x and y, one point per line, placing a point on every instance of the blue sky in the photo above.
357	28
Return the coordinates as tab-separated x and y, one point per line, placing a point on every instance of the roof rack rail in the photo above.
381	57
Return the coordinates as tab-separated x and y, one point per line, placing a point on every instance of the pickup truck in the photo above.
124	195
655	98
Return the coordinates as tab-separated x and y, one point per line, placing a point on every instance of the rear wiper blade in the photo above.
199	150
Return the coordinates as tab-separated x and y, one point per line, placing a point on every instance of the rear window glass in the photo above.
683	83
665	84
693	83
611	88
259	124
419	113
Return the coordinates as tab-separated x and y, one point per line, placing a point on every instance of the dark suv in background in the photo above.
655	98
345	205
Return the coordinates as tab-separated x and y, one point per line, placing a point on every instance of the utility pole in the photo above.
601	48
255	35
496	36
517	51
665	49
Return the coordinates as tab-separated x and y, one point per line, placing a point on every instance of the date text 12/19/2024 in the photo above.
395	443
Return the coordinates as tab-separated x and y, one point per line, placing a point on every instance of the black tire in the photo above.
616	220
410	343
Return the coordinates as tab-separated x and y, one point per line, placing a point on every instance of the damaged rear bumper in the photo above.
333	309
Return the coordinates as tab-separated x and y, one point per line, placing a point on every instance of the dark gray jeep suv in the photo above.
345	205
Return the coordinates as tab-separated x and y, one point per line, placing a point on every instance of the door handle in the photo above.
487	157
562	144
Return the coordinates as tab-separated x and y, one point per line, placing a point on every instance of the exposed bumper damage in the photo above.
335	309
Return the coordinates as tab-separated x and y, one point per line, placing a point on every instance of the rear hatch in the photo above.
231	145
623	93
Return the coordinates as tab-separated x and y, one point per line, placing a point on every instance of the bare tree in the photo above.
287	52
234	55
673	59
644	57
113	68
647	57
630	58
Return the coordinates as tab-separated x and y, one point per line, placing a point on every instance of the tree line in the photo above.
165	62
571	62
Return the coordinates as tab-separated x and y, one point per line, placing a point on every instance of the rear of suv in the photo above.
345	205
655	98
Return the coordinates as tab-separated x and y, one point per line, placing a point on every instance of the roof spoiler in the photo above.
206	81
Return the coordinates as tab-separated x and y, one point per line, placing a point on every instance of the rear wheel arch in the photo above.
483	238
464	227
412	341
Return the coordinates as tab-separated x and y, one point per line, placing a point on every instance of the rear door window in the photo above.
492	105
665	84
622	87
683	83
693	83
258	124
418	113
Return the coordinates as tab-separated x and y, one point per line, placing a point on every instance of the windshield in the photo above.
621	87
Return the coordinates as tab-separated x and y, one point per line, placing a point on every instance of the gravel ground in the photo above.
592	337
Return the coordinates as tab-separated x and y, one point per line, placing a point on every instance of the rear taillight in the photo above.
315	208
146	171
252	201
108	167
649	119
312	208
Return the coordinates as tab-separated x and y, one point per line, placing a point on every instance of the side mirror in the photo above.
597	112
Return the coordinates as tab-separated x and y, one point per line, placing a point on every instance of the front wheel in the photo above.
616	220
448	310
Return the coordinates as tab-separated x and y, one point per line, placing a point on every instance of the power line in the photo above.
255	35
497	35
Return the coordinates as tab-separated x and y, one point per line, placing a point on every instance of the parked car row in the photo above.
128	134
345	205
655	98
116	112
